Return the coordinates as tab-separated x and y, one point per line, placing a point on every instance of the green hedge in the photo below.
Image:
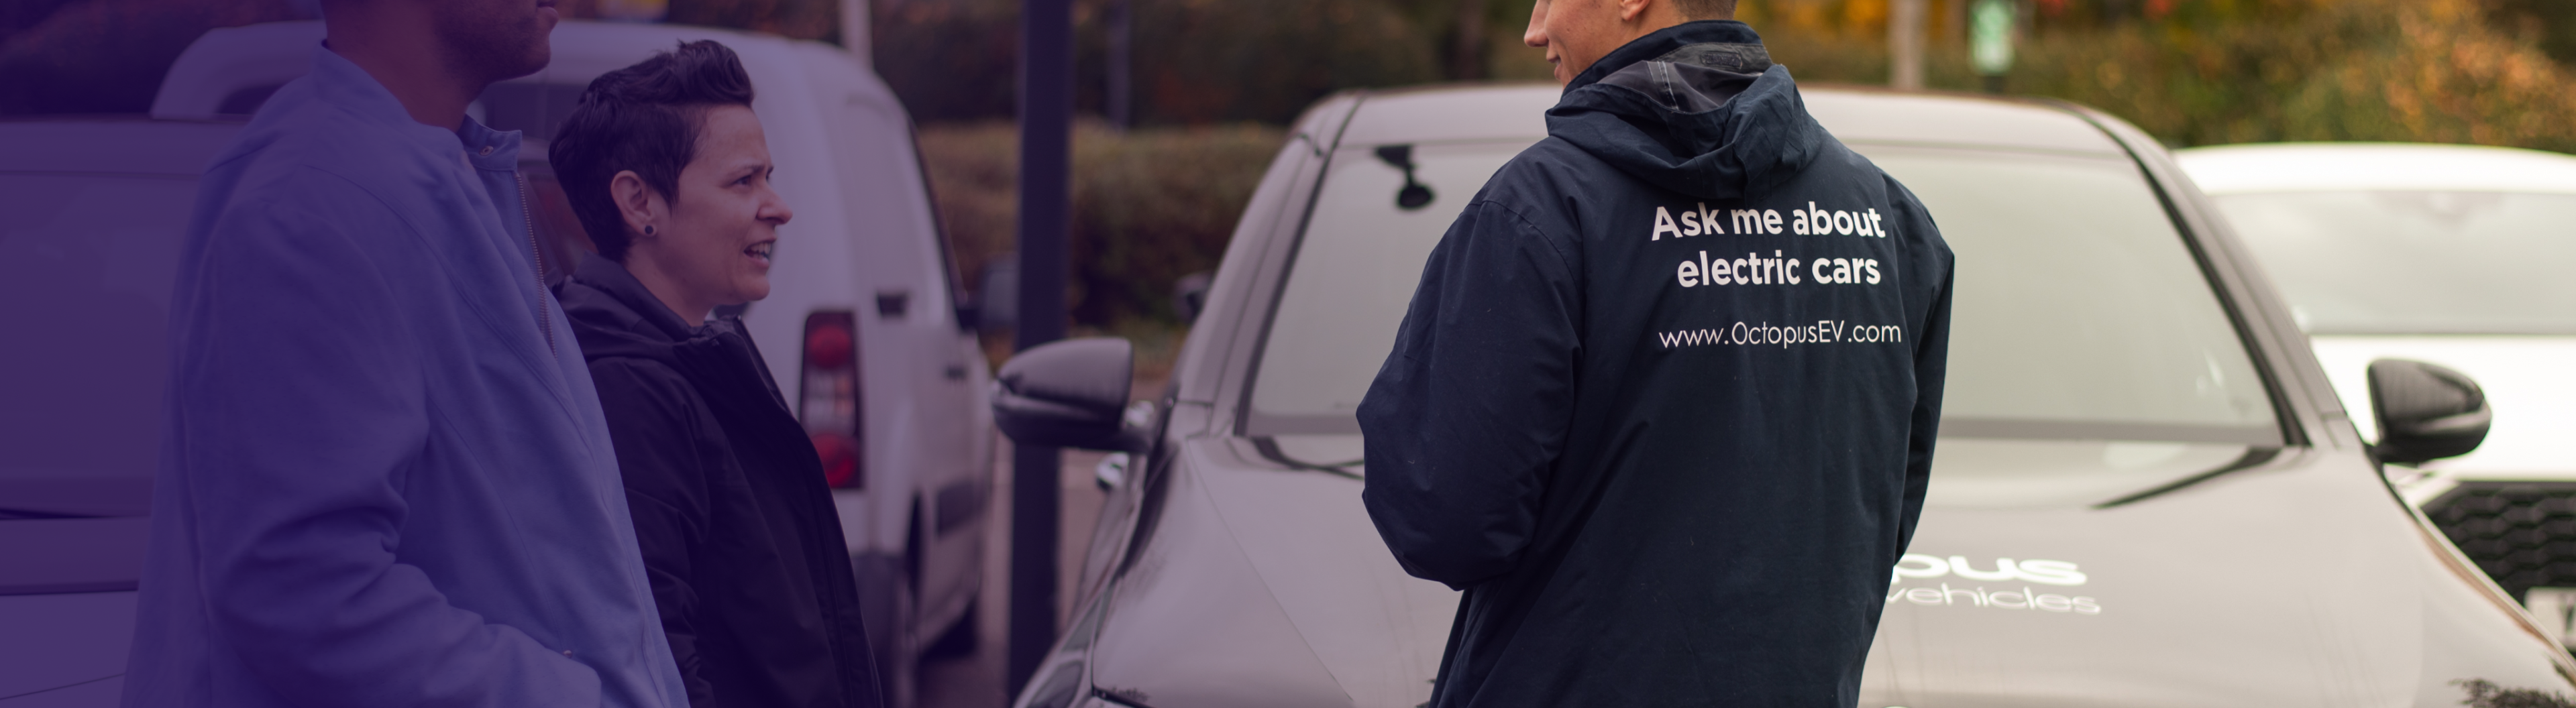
1149	206
1194	61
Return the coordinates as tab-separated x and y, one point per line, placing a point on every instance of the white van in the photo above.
900	418
92	211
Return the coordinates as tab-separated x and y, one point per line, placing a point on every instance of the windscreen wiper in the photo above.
1269	450
2253	457
8	514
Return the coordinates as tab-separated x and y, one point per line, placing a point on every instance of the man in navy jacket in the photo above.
1664	402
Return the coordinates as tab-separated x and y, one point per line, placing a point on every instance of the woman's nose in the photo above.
775	211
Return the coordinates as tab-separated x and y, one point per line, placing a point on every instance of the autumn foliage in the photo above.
2199	72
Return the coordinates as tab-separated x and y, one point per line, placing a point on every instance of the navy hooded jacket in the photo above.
1664	402
739	534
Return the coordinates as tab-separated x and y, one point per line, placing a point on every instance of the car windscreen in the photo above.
2080	312
93	257
2415	262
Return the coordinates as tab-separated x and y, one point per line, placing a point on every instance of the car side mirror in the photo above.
1070	393
1189	295
2426	412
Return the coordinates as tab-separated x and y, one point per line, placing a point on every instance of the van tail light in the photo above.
828	398
840	459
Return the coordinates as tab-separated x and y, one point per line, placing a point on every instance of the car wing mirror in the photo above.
2426	412
1070	393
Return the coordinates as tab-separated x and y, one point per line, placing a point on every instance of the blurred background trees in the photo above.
1213	82
2191	72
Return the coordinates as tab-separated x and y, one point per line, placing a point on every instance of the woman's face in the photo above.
723	224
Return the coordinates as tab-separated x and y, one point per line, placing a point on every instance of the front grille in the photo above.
2523	534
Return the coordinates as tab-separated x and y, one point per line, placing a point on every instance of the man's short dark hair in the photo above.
644	118
1706	9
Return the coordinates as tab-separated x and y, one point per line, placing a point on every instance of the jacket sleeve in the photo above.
297	408
1934	263
653	420
1468	414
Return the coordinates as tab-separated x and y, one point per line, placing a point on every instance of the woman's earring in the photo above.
648	229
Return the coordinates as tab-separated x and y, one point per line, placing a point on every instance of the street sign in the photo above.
1990	27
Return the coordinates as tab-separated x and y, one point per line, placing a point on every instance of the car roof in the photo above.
231	59
1455	113
112	146
2313	167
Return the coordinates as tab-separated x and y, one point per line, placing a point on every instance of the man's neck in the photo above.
409	62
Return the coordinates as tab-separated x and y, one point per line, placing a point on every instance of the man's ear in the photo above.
639	204
1630	10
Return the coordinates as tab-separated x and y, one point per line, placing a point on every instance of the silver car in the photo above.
2146	494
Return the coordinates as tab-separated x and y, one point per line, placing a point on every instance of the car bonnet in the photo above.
2296	581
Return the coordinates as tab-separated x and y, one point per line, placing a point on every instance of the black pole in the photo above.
1046	121
1120	101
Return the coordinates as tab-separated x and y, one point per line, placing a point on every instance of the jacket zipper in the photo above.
545	313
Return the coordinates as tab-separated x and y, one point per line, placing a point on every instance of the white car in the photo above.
92	213
2448	254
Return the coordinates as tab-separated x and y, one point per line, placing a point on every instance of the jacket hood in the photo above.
613	315
1696	108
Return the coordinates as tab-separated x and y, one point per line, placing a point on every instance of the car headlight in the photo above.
1062	687
1064	679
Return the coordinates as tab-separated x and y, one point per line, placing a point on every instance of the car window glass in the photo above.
2079	313
887	202
95	256
558	229
1356	267
534	109
2415	262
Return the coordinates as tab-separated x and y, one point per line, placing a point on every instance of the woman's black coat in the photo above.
739	534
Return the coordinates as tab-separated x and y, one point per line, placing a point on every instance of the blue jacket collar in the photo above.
342	83
1737	49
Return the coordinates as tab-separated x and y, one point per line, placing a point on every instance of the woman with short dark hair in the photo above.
666	166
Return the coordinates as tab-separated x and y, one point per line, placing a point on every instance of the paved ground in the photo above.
976	681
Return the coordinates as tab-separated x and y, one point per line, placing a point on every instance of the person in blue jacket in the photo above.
1664	402
386	480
